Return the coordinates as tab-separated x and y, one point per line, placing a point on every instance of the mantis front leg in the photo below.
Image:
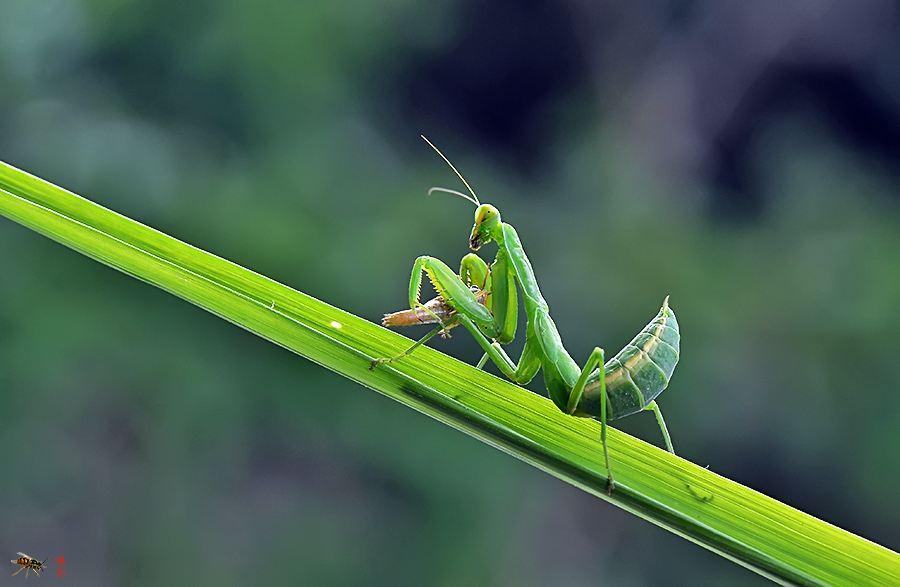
502	298
452	288
457	292
476	273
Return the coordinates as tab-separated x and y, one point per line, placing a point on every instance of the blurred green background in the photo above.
741	158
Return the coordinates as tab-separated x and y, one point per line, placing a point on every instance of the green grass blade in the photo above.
745	526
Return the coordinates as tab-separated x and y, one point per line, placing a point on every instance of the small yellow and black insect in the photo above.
28	563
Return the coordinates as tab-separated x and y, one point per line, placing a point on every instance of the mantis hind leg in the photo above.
662	425
595	361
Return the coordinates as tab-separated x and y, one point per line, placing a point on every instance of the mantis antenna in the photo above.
474	198
454	192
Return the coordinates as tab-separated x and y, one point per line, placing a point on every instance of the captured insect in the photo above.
484	300
28	563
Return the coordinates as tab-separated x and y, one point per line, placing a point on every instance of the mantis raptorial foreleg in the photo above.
474	274
450	287
473	271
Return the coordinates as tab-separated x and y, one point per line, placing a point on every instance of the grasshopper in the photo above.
484	300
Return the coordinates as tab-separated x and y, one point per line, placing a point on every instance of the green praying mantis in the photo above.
484	300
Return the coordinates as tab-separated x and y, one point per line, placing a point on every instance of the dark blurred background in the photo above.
740	156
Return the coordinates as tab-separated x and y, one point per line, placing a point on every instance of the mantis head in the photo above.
487	223
487	217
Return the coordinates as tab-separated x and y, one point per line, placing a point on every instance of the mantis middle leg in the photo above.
523	371
528	366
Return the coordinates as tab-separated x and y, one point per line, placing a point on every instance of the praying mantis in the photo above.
484	300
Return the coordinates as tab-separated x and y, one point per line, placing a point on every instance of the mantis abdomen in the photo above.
639	372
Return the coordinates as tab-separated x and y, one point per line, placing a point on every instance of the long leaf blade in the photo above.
745	526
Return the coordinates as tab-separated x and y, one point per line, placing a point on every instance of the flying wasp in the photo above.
28	563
